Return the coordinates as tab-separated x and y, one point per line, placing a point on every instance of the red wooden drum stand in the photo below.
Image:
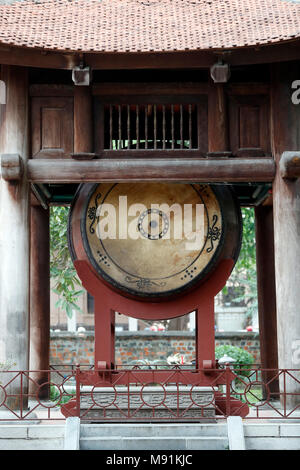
116	272
200	300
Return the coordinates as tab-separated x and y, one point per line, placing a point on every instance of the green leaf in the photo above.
62	271
69	310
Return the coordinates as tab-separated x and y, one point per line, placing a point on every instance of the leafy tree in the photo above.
244	273
62	270
247	258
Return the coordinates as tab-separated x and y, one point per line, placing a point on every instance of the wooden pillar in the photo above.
83	143
217	144
39	296
104	334
83	120
217	119
14	233
205	334
266	293
286	204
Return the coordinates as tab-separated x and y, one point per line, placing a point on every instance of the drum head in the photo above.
154	240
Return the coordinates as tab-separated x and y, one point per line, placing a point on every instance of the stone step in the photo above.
153	443
31	437
31	431
32	444
154	430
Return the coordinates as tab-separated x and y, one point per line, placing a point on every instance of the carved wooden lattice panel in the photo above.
160	127
141	124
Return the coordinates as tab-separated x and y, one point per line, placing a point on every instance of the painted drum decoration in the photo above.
154	240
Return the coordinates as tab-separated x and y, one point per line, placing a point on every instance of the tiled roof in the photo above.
147	25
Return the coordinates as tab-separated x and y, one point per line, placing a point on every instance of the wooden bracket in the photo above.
102	365
11	167
40	196
208	365
289	165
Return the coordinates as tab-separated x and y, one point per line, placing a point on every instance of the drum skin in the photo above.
140	238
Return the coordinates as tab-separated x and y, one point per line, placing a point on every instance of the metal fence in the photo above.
140	393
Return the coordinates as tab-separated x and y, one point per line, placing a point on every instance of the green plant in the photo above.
243	359
250	295
241	388
61	267
244	274
247	258
59	398
253	396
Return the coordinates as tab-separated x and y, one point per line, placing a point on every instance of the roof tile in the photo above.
147	25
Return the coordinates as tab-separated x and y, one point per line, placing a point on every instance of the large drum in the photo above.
152	241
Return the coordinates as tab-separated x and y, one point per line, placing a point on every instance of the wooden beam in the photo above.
148	88
47	90
268	54
36	58
282	52
154	169
154	60
195	59
247	88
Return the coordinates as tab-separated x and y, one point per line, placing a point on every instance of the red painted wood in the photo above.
154	310
104	334
226	405
108	301
204	378
236	407
205	332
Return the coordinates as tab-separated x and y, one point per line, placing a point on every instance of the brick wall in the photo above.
70	348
